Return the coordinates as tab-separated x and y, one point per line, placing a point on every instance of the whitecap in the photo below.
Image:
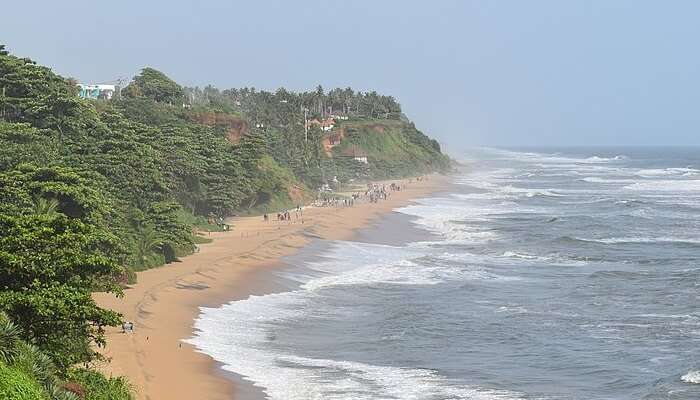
597	179
656	172
678	185
633	240
691	377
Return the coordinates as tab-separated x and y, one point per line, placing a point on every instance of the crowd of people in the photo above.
373	193
286	215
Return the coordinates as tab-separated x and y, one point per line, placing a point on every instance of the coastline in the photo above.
165	302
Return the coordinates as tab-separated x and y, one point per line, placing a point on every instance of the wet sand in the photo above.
166	300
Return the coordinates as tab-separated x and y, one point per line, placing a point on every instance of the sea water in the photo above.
552	274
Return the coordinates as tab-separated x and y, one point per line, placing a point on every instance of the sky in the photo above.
485	73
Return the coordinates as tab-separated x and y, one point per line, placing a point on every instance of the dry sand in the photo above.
165	301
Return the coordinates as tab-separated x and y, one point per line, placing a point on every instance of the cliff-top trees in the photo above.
155	85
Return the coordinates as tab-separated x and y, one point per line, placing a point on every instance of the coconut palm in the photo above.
47	207
9	339
147	243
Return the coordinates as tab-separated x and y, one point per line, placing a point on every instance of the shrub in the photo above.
98	387
17	385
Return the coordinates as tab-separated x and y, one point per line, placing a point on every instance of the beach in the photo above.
165	301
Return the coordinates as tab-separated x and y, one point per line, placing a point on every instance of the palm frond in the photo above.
33	361
46	207
9	339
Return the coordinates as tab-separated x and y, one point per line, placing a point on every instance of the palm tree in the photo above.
32	360
46	207
147	243
9	339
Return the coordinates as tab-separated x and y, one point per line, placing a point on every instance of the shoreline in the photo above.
165	302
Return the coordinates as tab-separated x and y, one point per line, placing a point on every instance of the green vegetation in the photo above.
90	385
92	191
27	373
392	148
18	385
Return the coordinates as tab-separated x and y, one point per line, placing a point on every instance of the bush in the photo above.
98	387
17	385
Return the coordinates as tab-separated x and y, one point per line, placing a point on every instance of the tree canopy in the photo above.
155	85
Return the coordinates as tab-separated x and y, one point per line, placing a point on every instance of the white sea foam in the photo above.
528	192
597	179
553	259
553	158
691	377
632	240
241	334
449	218
676	185
401	273
668	172
284	376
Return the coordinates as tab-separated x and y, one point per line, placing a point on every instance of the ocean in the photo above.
540	274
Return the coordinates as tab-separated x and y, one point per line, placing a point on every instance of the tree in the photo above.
146	244
155	85
49	264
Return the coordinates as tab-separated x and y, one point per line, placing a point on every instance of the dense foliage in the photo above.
90	385
93	190
154	85
27	373
15	384
392	148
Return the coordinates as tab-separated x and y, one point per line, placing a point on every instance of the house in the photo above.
357	154
95	92
361	158
325	125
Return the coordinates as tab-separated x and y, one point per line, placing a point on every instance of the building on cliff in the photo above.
325	124
104	92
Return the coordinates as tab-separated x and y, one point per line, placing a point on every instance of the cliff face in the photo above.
235	127
388	148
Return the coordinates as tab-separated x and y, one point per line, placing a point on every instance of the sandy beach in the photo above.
166	300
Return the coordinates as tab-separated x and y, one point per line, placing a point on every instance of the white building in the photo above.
362	159
96	91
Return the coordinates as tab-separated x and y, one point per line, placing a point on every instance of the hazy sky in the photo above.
467	72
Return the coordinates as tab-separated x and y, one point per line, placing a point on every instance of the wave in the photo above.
553	259
525	256
640	240
656	172
451	219
630	203
596	179
679	185
529	192
284	376
401	273
243	335
691	377
553	158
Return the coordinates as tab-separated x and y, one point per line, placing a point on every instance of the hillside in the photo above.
92	190
392	148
